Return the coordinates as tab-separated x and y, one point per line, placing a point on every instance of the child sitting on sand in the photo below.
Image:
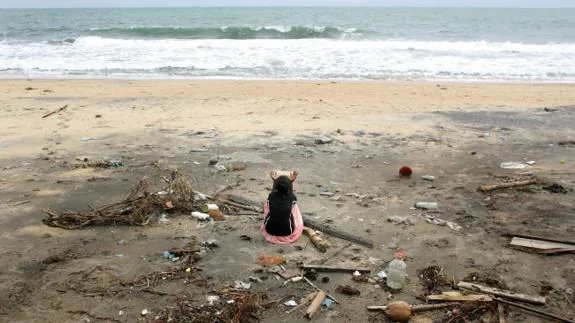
283	222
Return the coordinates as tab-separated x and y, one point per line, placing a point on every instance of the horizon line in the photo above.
299	6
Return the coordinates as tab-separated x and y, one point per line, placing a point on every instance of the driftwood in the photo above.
493	187
315	305
503	293
55	111
337	233
501	312
534	310
316	240
331	269
320	290
417	308
303	302
528	236
541	246
460	298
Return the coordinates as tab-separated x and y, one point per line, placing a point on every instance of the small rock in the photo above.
322	140
348	290
98	116
325	280
214	161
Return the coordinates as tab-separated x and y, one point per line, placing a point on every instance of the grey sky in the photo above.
163	3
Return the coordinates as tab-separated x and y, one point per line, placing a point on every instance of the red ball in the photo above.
405	171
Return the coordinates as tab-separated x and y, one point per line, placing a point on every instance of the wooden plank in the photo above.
503	293
336	233
539	244
331	269
493	187
460	298
315	305
528	236
501	312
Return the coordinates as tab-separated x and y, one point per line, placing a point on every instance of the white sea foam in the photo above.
293	58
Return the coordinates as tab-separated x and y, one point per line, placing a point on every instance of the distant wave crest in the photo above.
231	32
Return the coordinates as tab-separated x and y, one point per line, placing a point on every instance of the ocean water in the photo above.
517	45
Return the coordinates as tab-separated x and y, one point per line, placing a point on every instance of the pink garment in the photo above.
298	224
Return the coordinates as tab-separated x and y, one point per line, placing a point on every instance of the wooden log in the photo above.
337	233
316	240
493	187
55	111
539	244
303	302
331	269
528	236
460	298
417	308
501	312
315	305
503	293
534	310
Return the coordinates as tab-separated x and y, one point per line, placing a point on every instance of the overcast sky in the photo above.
191	3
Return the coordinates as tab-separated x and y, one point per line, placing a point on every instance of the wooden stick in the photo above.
527	236
315	305
501	311
54	112
334	254
319	289
241	206
337	233
503	293
534	310
303	302
493	187
460	298
417	308
317	241
331	269
568	300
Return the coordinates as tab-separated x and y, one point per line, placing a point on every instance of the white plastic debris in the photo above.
356	274
212	299
428	177
145	312
426	205
530	163
382	274
238	284
220	168
200	216
514	165
120	313
293	280
435	220
163	219
396	219
291	303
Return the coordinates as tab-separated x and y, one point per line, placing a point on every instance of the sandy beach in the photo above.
460	133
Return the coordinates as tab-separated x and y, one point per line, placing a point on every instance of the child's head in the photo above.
283	184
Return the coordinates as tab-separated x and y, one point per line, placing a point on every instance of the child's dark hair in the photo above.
283	185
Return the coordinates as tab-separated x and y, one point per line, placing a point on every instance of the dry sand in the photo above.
459	133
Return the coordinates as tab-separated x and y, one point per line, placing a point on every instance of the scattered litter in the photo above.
267	260
238	284
290	303
530	163
326	193
120	313
396	219
435	220
163	219
348	290
211	243
405	171
513	165
327	303
556	188
428	177
293	280
145	312
382	274
209	207
170	256
426	205
212	299
200	216
198	150
220	168
356	274
255	279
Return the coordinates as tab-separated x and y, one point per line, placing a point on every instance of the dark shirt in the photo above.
279	221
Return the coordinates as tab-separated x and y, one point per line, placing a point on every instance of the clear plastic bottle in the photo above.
396	272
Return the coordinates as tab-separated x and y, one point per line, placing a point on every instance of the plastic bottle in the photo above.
396	272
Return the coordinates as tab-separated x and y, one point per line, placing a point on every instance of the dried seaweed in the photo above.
233	307
434	277
470	312
137	209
